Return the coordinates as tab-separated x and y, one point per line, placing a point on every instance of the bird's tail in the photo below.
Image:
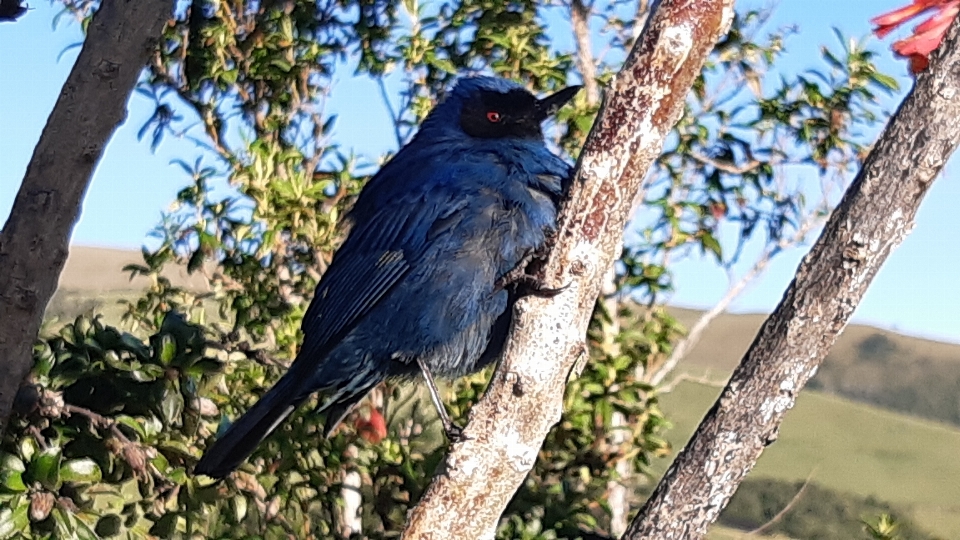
242	438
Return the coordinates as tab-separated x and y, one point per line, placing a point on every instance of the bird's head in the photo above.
493	108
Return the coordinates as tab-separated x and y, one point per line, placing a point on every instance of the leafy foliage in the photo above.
106	444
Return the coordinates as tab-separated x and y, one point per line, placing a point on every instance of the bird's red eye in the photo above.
494	116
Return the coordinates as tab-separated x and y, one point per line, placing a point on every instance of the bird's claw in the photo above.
454	433
528	285
512	277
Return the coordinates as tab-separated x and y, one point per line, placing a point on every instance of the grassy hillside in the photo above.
850	447
901	373
725	341
93	281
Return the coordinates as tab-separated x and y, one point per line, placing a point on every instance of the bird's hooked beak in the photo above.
549	105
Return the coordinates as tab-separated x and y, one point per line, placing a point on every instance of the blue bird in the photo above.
423	283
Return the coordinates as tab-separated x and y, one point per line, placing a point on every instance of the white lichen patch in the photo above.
676	45
647	136
520	454
777	405
727	18
895	220
465	463
603	165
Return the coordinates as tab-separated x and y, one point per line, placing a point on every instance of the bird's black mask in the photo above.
514	114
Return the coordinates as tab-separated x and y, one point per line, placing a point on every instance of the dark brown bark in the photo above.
874	216
507	427
34	241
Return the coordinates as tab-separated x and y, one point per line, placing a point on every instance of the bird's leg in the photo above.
453	432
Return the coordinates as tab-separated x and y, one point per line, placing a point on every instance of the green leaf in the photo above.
711	244
105	498
10	462
83	470
443	64
130	490
886	82
230	76
12	480
108	525
14	520
165	526
134	345
133	424
45	468
239	505
83	530
281	63
168	349
172	405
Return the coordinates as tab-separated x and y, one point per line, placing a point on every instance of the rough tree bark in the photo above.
874	216
34	241
507	427
617	492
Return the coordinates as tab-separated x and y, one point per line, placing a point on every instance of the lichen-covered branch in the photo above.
508	426
875	215
34	241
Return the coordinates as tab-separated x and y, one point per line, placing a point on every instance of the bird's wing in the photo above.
389	237
380	251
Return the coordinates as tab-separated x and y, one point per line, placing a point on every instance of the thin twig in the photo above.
727	167
98	420
783	512
394	117
686	377
733	292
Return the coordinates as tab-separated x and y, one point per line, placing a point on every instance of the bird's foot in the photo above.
454	432
528	285
514	276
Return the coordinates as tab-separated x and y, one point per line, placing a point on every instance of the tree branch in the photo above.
874	216
525	396
34	241
617	492
580	21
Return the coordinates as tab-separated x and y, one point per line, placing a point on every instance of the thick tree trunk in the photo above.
507	427
34	241
875	215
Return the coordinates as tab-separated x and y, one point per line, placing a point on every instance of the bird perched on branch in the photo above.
421	283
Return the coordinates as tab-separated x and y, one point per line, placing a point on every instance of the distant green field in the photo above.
849	447
724	533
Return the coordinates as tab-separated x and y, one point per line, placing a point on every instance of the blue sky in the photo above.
916	292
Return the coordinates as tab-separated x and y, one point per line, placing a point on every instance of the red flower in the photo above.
373	429
926	37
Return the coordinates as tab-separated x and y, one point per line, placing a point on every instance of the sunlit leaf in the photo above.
83	470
